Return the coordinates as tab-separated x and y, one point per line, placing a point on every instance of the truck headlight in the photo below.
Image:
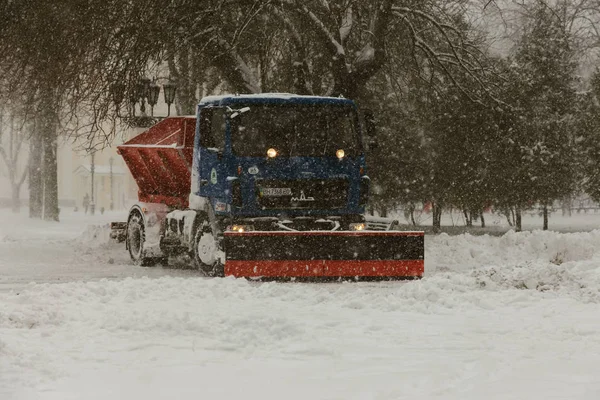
240	228
340	153
358	226
271	153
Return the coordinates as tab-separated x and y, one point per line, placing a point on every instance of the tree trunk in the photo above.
384	212
16	198
412	216
545	217
437	217
236	72
482	220
43	173
187	98
36	186
466	215
566	205
508	214
518	225
50	170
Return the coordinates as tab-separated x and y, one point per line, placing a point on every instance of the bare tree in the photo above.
80	76
329	47
13	138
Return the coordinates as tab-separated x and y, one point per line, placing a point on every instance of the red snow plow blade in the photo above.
325	254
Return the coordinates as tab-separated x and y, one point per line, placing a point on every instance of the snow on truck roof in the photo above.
275	97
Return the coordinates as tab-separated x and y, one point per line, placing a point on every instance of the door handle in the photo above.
203	182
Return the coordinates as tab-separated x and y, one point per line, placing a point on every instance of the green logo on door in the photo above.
213	176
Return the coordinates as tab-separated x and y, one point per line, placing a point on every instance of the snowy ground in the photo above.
510	317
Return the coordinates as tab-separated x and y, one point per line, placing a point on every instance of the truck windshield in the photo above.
295	130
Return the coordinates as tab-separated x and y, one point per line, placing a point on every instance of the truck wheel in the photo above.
135	241
206	250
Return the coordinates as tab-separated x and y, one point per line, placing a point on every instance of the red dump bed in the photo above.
160	160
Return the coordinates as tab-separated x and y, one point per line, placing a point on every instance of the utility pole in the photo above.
92	170
110	162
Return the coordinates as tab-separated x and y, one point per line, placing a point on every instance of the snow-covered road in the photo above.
511	317
76	249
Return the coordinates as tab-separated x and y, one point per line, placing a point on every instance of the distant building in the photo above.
110	185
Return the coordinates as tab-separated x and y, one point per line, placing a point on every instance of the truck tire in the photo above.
205	250
135	241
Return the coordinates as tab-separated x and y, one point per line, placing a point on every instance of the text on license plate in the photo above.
276	191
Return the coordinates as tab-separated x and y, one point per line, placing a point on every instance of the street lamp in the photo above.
147	90
142	89
110	162
92	173
153	92
170	88
132	101
117	91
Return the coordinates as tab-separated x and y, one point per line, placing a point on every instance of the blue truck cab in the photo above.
280	156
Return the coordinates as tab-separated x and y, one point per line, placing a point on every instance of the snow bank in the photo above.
463	252
538	260
95	235
566	263
148	304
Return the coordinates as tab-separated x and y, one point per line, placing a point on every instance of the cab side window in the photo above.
206	127
212	128
218	128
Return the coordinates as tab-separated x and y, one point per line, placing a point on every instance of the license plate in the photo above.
276	191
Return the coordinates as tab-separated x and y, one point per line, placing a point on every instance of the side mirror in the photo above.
235	113
370	127
215	150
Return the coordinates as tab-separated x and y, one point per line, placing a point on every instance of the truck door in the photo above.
213	182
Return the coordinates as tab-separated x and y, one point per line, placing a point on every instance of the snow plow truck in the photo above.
262	186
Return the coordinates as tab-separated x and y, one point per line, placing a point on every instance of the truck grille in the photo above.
316	194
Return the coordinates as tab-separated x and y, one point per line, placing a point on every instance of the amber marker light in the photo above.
359	226
340	154
241	228
271	153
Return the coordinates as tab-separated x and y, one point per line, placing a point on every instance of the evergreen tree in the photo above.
588	129
543	88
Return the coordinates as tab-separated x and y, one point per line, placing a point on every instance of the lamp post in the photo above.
110	163
153	92
92	170
169	88
142	89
